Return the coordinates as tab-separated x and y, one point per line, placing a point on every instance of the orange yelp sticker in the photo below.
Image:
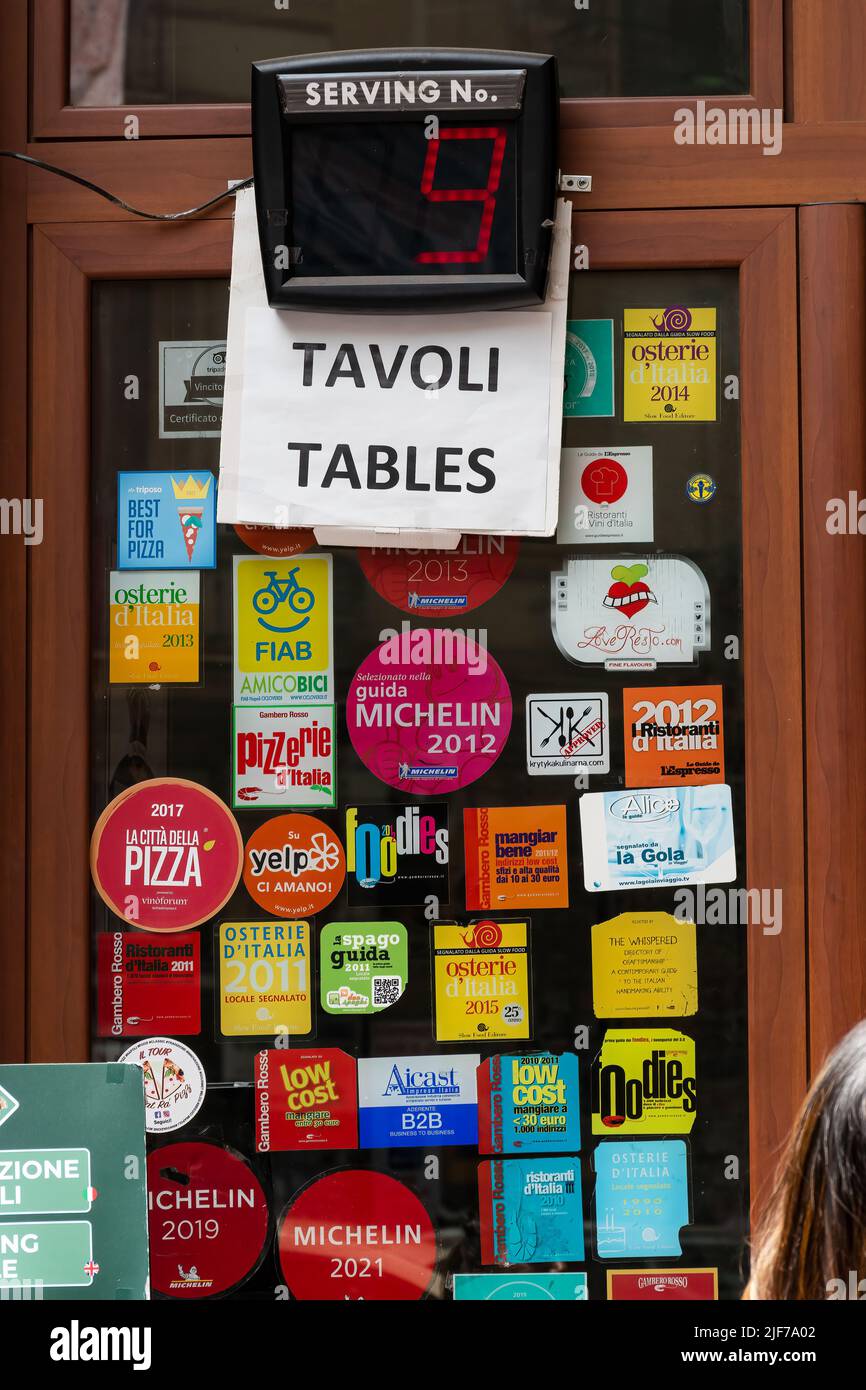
294	866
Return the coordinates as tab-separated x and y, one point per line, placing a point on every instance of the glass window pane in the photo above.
149	51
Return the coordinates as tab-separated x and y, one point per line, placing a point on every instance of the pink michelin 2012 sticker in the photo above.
429	711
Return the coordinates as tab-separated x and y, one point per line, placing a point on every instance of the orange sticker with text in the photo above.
294	866
673	733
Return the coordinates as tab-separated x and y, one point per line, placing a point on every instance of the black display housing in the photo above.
513	269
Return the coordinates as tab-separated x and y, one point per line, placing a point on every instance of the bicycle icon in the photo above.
278	591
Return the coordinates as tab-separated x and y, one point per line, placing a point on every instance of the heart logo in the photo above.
628	593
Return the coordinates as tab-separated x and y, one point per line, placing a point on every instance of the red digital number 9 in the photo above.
465	195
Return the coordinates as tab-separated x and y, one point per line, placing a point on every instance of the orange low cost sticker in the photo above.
294	866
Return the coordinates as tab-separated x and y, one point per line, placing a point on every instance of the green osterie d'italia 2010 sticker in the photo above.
363	966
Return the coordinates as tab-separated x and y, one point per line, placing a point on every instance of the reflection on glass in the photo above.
148	51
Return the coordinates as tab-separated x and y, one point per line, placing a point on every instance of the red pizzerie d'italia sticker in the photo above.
207	1219
166	854
437	582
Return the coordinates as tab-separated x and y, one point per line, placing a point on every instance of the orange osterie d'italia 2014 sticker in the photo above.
294	866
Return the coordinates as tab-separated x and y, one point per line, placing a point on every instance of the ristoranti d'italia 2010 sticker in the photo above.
174	1082
166	854
429	710
630	614
357	1234
208	1219
294	866
436	582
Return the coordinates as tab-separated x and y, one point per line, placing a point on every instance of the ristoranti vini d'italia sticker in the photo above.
357	1234
284	756
166	854
283	630
670	364
630	614
208	1219
567	734
294	866
154	626
605	495
174	1082
429	710
437	582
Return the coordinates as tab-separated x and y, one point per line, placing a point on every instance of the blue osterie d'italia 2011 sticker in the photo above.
641	1198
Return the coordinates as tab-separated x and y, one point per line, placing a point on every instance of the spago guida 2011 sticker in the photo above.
630	613
166	854
208	1219
429	710
174	1082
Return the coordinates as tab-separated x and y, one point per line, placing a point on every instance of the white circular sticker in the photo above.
174	1082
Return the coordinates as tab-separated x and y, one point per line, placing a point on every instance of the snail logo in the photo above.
676	319
483	935
629	593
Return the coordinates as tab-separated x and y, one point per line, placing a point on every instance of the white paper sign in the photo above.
422	422
606	495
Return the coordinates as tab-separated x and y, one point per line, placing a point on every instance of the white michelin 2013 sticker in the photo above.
567	734
630	613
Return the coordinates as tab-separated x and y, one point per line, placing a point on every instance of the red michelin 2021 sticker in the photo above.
166	854
434	582
357	1235
207	1219
294	866
429	710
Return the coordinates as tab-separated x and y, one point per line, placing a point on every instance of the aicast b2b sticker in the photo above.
174	1082
284	756
657	837
166	854
481	981
643	1082
673	733
531	1211
567	734
283	630
305	1100
529	1102
670	364
148	984
154	628
516	857
397	856
630	613
166	521
294	866
363	966
191	381
644	965
588	369
429	711
605	495
432	583
410	1102
265	985
641	1198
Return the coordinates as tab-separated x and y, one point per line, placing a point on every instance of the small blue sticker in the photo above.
166	521
641	1199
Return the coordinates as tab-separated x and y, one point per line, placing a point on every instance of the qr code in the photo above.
386	990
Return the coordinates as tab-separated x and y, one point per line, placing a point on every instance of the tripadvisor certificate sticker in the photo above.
363	966
174	1082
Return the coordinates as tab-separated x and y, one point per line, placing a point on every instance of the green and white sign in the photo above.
363	966
588	369
51	1254
44	1180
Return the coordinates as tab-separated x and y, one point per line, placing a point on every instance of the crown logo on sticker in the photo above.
190	491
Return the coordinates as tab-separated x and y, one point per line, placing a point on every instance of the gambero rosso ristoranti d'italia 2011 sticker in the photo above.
174	1082
357	1234
436	582
294	866
429	710
166	854
208	1219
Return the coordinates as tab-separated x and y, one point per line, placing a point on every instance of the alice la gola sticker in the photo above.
481	981
166	854
670	364
643	1082
294	866
673	733
174	1082
630	613
644	965
153	627
264	979
437	582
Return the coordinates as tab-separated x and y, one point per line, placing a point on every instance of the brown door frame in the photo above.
761	245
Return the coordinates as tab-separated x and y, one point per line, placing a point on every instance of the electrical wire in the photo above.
119	202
